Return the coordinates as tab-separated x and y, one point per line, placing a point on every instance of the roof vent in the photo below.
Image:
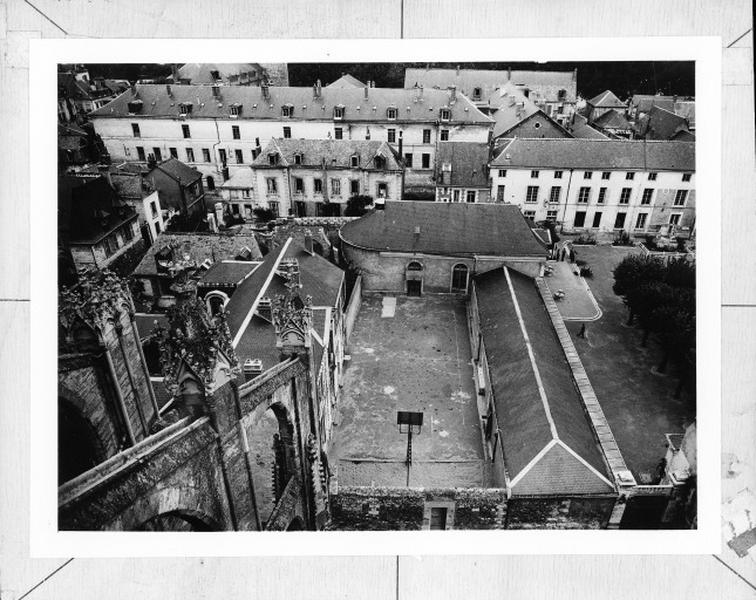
252	368
417	230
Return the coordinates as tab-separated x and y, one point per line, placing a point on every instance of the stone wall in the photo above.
353	308
559	512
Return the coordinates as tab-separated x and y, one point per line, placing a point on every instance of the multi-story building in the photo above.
221	129
179	186
138	192
599	185
516	115
555	92
462	172
315	177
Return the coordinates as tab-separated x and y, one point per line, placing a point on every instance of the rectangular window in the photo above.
557	174
298	185
680	197
173	152
190	155
580	218
338	133
444	135
274	208
157	153
470	196
556	191
239	157
408	160
426	136
601	196
247	193
532	194
606	175
674	219
652	176
640	222
551	215
317	185
583	195
630	175
502	172
236	134
153	209
500	193
128	233
338	112
596	219
206	155
185	131
382	190
391	113
625	196
588	175
336	187
534	174
354	187
272	185
297	159
391	136
529	214
426	161
619	220
287	132
445	114
648	193
135	130
140	153
686	176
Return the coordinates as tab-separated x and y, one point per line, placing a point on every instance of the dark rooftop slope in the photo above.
449	229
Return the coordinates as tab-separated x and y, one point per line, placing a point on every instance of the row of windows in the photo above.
619	220
448	195
114	241
605	175
271	183
584	195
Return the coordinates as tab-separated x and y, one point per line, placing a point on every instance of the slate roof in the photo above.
469	164
89	209
606	99
448	229
643	102
227	273
580	128
488	80
607	154
612	119
347	81
511	108
200	247
661	124
178	171
532	415
201	73
335	153
129	185
157	103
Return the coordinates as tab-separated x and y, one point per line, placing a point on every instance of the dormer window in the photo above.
185	108
135	106
273	158
338	111
445	114
355	161
391	113
476	93
298	159
236	109
215	75
287	110
380	162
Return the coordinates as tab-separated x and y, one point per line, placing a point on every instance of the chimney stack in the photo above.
133	88
452	94
509	73
168	89
366	90
317	83
265	90
401	145
174	72
457	70
308	242
574	74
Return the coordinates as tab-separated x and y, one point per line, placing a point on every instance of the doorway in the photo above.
438	518
459	279
414	287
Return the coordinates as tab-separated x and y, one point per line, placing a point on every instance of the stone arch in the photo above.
415	265
170	504
414	278
215	301
80	444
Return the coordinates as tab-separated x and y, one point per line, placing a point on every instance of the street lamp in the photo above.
409	423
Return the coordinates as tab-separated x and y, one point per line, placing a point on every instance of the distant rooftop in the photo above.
468	162
346	81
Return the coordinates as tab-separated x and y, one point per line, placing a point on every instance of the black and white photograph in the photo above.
377	296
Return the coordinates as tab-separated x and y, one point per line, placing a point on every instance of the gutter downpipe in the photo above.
119	394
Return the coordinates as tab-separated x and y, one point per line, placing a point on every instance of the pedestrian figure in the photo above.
581	333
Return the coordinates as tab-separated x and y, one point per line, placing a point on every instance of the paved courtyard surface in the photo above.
578	303
409	354
638	402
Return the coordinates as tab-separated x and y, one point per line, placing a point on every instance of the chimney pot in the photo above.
366	90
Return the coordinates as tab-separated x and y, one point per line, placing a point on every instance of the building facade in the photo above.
221	129
600	185
462	172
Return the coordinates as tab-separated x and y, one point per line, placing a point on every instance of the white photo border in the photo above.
47	541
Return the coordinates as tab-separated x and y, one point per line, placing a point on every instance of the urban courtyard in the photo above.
409	354
638	401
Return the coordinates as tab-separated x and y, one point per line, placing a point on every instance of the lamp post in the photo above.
409	423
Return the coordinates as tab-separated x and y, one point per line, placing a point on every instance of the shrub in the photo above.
585	240
357	206
622	239
264	215
586	271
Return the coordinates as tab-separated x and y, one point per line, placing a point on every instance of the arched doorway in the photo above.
414	277
178	520
459	279
79	447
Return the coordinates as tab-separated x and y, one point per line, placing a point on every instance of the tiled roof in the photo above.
89	209
335	153
346	80
129	185
597	154
449	229
410	107
581	129
534	392
612	119
466	80
606	99
200	247
227	273
201	73
178	171
468	162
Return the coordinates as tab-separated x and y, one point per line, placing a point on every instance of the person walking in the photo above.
581	333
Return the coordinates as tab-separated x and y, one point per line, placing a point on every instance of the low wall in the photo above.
560	512
353	307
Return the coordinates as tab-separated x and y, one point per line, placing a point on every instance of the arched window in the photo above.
459	278
215	301
414	266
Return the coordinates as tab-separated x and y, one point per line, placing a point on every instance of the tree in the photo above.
644	302
264	215
681	272
632	272
357	205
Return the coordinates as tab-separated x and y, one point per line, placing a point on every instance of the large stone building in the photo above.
315	177
600	185
221	129
418	248
462	172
